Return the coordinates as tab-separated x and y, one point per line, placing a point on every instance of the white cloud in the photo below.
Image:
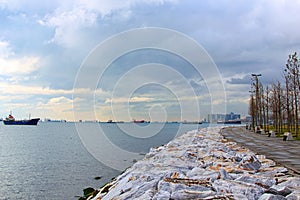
30	5
56	108
69	20
19	66
105	7
5	49
137	99
141	99
59	100
10	65
8	88
68	25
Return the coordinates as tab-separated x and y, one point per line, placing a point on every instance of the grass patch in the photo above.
283	130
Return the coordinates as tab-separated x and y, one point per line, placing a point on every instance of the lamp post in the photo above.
252	108
255	76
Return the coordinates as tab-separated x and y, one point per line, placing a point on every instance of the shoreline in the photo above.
202	164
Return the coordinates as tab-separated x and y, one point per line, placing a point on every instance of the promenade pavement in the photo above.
286	153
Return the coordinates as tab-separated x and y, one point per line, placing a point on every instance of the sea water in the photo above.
50	161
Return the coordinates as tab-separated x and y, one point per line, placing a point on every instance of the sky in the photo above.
47	46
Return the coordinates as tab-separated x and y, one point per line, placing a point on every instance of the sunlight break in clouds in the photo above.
10	65
12	89
24	65
57	107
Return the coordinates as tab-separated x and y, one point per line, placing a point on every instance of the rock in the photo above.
164	186
224	175
98	177
288	136
272	171
162	194
272	134
294	195
227	197
279	190
265	162
178	188
264	182
195	172
191	194
291	182
209	175
271	197
202	165
251	191
89	193
250	162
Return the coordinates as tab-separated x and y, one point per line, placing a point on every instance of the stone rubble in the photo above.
201	164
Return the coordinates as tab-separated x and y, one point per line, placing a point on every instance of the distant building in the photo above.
214	118
248	118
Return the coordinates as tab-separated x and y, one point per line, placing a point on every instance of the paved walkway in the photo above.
287	153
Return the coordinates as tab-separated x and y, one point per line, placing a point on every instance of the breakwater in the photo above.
201	164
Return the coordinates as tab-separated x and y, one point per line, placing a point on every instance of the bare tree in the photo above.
277	106
277	103
292	72
257	111
262	109
267	106
288	102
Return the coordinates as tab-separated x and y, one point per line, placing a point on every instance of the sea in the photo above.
57	160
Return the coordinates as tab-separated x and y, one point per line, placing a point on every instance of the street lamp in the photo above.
257	116
252	108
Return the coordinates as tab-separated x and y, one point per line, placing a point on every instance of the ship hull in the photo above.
230	122
32	122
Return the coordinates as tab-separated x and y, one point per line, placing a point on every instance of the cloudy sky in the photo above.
45	44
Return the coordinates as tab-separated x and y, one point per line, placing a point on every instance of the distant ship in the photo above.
10	120
139	121
235	121
186	122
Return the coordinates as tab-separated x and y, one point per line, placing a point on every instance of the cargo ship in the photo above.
10	120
